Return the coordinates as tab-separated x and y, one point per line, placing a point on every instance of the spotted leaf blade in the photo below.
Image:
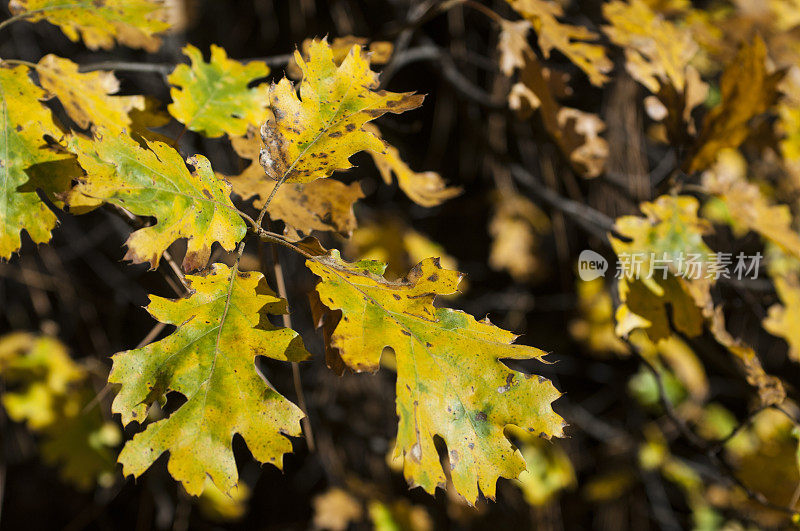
450	380
25	122
87	98
156	182
311	136
210	360
101	23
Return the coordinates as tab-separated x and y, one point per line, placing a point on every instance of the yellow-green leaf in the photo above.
215	98
671	236
210	360
156	182
40	372
82	444
25	122
311	136
133	23
87	98
47	390
450	380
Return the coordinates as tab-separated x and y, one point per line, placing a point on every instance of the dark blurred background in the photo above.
78	287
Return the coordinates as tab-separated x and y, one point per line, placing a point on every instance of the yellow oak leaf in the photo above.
426	188
311	136
747	90
513	45
656	50
575	132
215	98
156	182
378	52
742	204
321	205
566	38
673	233
211	360
133	23
450	380
23	156
664	265
87	98
515	228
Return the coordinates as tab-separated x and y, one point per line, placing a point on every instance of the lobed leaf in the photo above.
156	182
450	380
311	136
100	23
575	132
566	38
87	97
25	123
321	205
215	98
210	359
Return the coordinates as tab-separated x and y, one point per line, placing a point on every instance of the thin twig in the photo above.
704	445
591	220
137	223
718	446
287	323
29	14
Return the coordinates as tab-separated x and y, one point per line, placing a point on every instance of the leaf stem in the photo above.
271	196
20	16
20	62
34	12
